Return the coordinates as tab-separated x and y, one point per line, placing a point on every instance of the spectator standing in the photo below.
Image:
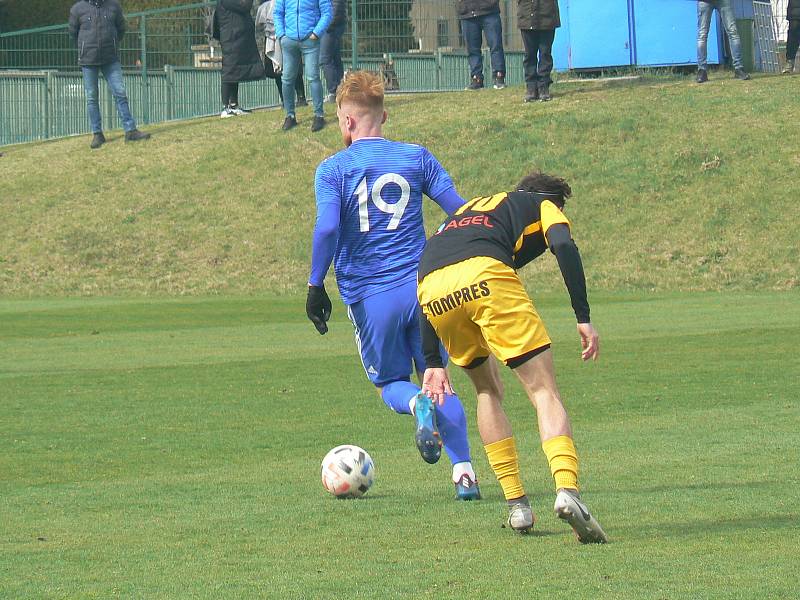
538	21
241	60
482	18
793	37
705	9
330	49
299	25
97	27
273	57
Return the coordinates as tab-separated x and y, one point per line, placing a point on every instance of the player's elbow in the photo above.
562	246
326	230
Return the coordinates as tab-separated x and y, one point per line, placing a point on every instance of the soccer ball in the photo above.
347	471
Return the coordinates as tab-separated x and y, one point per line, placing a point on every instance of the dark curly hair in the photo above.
541	182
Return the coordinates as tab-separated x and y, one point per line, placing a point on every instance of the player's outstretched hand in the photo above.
435	384
590	341
318	307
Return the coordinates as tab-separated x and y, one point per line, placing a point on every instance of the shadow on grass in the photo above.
692	527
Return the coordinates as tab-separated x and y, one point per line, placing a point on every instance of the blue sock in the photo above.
452	424
397	394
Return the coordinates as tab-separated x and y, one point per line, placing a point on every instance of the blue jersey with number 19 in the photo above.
369	214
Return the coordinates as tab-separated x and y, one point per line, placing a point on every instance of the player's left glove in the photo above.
318	307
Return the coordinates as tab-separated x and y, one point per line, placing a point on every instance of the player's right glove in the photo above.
318	307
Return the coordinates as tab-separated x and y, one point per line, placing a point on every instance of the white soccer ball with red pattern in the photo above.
347	471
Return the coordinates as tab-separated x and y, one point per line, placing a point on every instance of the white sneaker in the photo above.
520	516
227	113
238	110
569	508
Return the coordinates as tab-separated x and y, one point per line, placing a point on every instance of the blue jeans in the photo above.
293	52
330	56
492	27
704	12
112	73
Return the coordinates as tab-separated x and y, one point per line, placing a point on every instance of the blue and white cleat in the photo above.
427	437
467	489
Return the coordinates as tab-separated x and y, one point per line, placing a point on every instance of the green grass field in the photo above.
171	449
165	405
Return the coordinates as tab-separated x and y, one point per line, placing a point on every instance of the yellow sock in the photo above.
504	461
563	459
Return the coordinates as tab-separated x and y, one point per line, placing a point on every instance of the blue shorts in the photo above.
387	334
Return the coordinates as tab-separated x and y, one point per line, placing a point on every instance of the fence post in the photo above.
143	60
353	36
170	72
438	69
48	100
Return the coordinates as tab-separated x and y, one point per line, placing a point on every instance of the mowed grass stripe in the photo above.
153	477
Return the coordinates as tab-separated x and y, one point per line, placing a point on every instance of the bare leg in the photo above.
538	378
493	424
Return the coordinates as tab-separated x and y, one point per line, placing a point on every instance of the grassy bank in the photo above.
676	187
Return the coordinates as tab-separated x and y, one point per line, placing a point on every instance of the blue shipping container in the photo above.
615	33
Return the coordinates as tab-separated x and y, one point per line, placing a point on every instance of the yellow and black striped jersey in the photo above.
510	227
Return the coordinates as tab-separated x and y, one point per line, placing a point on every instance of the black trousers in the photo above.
792	39
230	93
299	86
538	63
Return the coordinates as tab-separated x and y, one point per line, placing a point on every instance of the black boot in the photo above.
97	140
544	91
532	92
134	135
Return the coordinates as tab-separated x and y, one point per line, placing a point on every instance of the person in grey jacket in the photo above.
482	18
538	21
97	27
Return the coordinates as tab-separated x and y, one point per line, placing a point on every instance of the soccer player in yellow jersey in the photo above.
474	303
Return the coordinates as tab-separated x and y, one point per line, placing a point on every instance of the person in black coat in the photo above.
793	37
96	28
538	21
241	60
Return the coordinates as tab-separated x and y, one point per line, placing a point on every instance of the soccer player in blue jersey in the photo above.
369	224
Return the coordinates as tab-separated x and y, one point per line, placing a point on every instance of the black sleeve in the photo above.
74	24
119	22
569	261
430	343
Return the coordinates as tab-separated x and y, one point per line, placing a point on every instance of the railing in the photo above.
171	71
169	36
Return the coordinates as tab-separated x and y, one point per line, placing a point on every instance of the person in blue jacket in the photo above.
299	25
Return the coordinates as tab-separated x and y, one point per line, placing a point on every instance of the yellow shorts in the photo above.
480	307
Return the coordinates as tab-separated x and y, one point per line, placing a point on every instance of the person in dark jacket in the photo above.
482	18
97	27
538	21
793	37
241	60
330	49
299	25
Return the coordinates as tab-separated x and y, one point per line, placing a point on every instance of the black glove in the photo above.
318	307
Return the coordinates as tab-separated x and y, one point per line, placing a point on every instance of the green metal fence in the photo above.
171	71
